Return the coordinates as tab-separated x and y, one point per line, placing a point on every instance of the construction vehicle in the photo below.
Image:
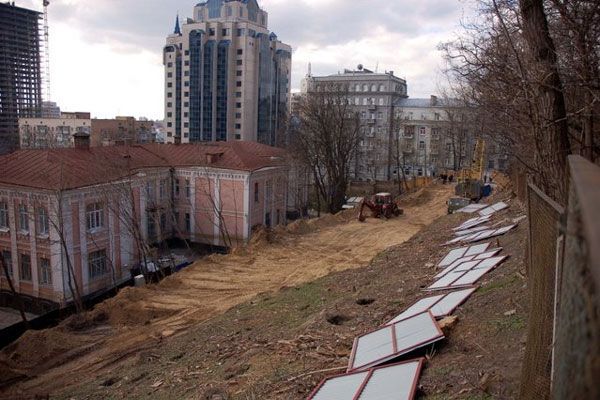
470	182
382	205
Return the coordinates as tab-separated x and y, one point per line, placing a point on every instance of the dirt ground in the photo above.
143	320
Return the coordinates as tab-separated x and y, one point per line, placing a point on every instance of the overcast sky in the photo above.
106	55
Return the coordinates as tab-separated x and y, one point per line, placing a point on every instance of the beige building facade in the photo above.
43	133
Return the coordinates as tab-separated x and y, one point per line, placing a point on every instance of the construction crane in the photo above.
45	4
470	184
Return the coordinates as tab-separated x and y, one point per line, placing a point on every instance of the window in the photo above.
169	75
381	101
373	88
169	95
176	184
238	73
422	144
45	272
42	221
409	131
239	62
188	222
241	32
238	84
150	191
169	84
163	223
365	88
95	216
224	32
4	222
169	65
436	116
169	104
97	264
25	268
238	115
422	131
162	189
188	189
238	126
169	115
151	227
238	105
8	261
256	192
381	88
23	218
211	32
240	52
238	95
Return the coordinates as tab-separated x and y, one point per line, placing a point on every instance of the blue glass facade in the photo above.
214	8
266	90
207	91
222	65
195	114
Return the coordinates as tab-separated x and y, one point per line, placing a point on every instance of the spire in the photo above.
177	28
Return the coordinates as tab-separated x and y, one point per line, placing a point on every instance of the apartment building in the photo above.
73	219
373	96
42	133
122	131
227	77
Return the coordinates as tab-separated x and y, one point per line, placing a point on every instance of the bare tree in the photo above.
327	140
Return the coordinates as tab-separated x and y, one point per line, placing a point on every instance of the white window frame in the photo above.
43	227
45	270
4	216
97	265
94	216
23	218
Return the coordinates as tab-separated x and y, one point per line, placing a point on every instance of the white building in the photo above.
226	76
42	133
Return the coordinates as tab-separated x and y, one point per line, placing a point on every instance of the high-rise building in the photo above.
20	72
226	76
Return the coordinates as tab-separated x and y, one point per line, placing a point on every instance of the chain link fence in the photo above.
562	356
544	230
577	345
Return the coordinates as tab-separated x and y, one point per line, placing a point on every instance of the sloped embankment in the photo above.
107	346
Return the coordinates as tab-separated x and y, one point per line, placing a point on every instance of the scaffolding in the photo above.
20	71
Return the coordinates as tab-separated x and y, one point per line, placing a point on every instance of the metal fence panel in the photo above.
577	346
544	230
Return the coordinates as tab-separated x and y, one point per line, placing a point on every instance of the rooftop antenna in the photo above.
377	67
45	4
309	70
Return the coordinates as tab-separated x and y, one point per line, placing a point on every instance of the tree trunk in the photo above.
552	135
14	292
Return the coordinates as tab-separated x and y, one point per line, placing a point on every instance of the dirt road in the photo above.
138	319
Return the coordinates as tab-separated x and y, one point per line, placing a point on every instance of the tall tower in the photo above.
227	77
20	71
